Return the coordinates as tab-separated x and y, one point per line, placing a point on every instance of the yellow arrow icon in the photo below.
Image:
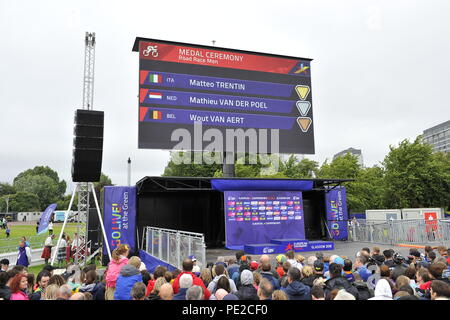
302	91
304	123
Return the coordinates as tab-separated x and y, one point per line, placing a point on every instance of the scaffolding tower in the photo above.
83	189
83	248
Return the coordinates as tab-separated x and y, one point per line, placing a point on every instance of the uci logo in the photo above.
268	250
151	50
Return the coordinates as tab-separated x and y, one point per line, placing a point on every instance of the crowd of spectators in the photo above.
369	275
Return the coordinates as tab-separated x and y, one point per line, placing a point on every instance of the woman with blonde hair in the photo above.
51	292
56	279
308	276
206	276
256	279
300	258
119	259
279	295
154	295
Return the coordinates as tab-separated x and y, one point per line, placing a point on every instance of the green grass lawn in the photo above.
29	231
36	269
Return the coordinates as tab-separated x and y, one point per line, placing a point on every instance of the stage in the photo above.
198	205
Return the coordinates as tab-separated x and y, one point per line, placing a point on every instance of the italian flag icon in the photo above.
154	78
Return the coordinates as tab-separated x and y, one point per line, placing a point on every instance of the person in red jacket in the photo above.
187	268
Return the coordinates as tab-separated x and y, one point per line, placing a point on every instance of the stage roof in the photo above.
155	184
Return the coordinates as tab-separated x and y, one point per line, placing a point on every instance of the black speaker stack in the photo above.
87	146
93	229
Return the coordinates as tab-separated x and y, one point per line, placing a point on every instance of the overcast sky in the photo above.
381	71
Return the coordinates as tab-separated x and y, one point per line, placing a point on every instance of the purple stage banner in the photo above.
256	217
120	216
337	214
45	218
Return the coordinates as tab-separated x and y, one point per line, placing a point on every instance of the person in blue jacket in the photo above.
267	274
129	275
361	269
295	289
24	255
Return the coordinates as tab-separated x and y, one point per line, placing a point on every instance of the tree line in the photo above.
34	189
410	176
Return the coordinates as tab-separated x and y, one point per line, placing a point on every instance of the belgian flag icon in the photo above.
156	115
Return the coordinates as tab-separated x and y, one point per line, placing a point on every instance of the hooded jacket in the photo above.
269	276
213	284
129	275
247	291
309	281
364	293
5	292
382	291
297	291
98	293
114	271
339	283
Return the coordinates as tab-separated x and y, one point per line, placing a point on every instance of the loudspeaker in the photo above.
88	146
93	229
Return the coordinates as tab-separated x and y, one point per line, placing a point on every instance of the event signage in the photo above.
256	217
225	89
337	215
119	216
45	218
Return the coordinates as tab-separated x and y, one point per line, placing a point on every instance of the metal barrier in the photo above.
172	246
418	231
12	244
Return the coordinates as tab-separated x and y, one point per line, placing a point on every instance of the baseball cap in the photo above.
318	265
281	258
254	265
192	257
